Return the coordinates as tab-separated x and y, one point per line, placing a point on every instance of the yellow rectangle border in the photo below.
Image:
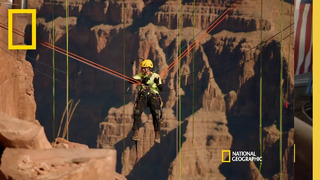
222	159
316	88
33	28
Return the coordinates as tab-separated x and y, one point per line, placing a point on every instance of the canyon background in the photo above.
226	88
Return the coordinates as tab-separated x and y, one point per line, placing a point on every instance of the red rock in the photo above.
238	37
62	164
17	133
65	144
16	74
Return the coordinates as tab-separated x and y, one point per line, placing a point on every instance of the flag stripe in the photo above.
297	25
307	38
310	32
303	37
301	48
309	51
298	41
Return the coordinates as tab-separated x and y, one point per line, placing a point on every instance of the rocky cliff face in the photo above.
25	152
227	84
60	164
16	88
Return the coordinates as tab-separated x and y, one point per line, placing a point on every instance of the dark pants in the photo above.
153	102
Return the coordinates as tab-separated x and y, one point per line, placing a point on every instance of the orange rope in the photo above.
77	57
122	76
203	34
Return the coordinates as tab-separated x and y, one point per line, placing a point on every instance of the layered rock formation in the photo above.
242	99
59	164
225	113
25	152
18	133
16	88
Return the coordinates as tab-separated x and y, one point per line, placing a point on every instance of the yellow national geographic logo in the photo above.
239	156
33	28
228	152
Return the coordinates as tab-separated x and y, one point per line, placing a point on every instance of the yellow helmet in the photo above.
147	63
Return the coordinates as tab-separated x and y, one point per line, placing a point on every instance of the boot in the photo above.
157	135
135	135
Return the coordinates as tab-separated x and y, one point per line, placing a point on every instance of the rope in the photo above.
190	41
53	79
209	29
67	75
124	86
34	60
27	65
179	86
193	89
261	89
218	74
257	46
205	33
288	84
177	94
222	73
280	98
78	58
227	60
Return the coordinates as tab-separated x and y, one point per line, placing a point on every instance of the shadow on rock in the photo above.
155	164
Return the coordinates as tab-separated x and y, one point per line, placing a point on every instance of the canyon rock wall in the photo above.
25	152
226	78
16	87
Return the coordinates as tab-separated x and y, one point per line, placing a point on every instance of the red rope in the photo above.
77	57
122	76
203	34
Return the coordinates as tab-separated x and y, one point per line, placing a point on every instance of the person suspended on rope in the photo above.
148	96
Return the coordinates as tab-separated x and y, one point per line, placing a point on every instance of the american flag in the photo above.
303	36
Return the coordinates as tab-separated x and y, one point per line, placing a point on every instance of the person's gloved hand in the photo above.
145	80
156	80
